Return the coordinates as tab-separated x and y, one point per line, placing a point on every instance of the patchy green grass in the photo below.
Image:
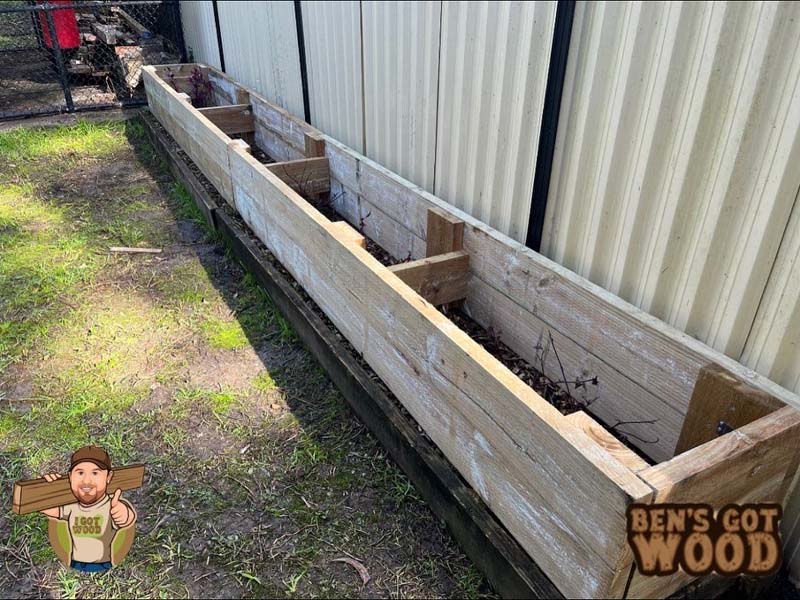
79	141
264	382
258	476
223	334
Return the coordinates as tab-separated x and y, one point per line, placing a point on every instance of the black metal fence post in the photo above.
62	70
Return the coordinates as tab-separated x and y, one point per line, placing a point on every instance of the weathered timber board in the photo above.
205	144
557	491
308	176
719	397
439	279
232	119
225	90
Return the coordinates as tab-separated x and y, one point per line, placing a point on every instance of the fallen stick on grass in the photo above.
135	250
33	495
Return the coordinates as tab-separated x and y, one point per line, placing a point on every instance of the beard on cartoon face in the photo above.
88	482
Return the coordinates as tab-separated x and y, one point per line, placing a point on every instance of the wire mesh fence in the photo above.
65	56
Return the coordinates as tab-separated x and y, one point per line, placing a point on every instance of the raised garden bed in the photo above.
559	483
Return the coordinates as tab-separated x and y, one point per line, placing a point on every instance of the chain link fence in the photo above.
64	56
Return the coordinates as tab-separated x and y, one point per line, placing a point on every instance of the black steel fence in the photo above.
64	56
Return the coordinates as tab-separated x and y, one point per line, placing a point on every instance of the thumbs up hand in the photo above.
120	513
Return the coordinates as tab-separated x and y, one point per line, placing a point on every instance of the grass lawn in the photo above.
258	476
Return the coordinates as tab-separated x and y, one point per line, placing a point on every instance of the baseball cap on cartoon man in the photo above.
100	526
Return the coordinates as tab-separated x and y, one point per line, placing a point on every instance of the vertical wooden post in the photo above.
445	233
315	145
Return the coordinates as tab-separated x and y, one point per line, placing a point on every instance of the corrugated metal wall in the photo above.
493	65
447	94
333	56
675	178
401	86
676	159
453	94
199	32
259	41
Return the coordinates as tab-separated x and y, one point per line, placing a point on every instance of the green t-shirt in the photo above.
91	529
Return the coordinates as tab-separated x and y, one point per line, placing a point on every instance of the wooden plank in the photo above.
347	235
232	119
720	397
225	90
35	495
315	145
652	425
290	131
203	141
445	233
755	463
308	176
376	224
439	279
133	23
501	435
602	437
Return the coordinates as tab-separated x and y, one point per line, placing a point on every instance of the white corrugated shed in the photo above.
260	48
676	160
401	75
453	94
199	32
676	170
493	74
332	32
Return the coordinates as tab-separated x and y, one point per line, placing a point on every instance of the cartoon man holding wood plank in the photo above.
99	525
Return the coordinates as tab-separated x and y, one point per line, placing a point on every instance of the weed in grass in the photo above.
470	582
174	438
307	453
221	402
293	581
68	583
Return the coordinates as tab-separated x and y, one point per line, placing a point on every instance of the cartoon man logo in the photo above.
100	526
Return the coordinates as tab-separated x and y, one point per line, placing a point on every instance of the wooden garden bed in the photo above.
560	484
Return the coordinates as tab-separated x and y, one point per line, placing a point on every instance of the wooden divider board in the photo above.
232	119
309	176
439	279
549	483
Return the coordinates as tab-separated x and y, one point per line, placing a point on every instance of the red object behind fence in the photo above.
65	24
